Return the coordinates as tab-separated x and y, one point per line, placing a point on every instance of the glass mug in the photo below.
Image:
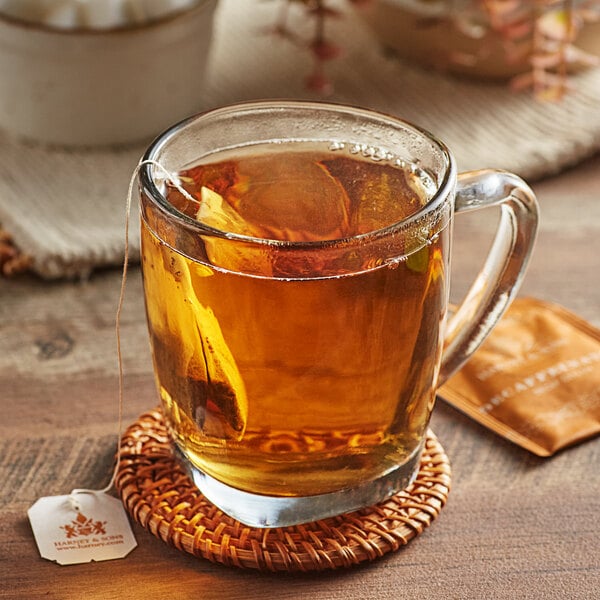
296	287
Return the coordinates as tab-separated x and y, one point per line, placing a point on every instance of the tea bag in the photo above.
224	412
295	199
269	197
265	198
374	201
535	380
221	410
217	213
205	373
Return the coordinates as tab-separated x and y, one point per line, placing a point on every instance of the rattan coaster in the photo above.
160	496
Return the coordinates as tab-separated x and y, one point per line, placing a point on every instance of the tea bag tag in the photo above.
81	527
89	525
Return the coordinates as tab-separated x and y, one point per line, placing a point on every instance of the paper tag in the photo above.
81	527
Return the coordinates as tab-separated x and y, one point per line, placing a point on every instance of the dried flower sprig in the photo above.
555	30
320	46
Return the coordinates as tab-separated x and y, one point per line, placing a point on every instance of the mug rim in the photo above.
149	188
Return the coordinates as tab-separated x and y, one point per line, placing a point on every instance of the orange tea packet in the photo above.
535	380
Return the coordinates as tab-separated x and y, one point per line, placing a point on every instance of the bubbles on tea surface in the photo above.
374	153
423	234
336	146
383	155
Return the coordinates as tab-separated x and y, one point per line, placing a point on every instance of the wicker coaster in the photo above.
160	496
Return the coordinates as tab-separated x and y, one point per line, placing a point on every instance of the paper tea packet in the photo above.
535	380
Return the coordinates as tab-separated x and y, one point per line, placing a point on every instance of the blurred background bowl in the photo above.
458	36
86	87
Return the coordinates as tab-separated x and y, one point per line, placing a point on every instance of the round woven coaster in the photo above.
160	496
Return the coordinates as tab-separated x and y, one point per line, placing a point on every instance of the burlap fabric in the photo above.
66	208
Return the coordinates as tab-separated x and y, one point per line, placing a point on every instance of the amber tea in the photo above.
295	259
303	368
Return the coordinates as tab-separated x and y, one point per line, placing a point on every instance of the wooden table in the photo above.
515	526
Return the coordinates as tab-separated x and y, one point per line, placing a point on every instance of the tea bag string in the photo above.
173	180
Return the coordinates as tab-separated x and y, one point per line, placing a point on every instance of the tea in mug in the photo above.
300	374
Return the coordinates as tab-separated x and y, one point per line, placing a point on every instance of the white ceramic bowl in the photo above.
102	87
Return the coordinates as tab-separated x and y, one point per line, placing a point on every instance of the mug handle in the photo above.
500	277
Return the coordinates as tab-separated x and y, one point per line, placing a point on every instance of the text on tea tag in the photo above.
81	527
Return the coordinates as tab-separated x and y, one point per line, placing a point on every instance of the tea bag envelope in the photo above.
535	380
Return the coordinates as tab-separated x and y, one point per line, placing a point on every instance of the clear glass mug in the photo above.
297	310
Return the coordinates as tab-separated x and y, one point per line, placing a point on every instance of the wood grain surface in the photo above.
515	526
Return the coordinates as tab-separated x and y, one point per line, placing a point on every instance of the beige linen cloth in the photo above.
67	208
